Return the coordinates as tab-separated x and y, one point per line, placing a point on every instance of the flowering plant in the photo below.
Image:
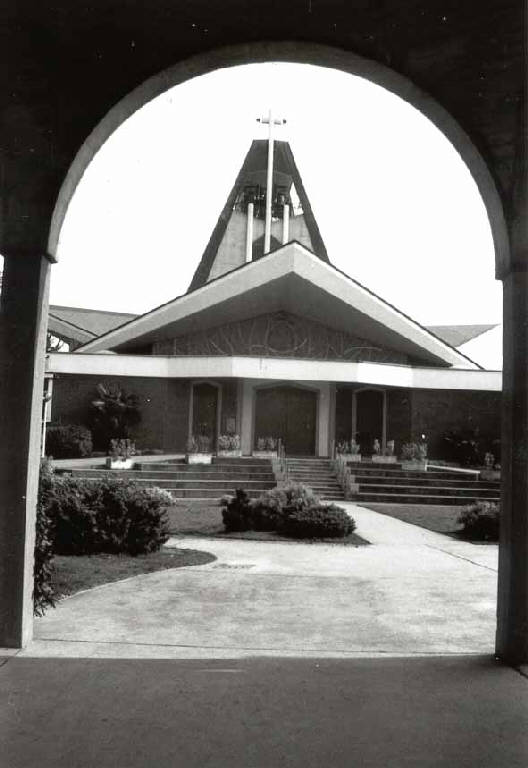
229	442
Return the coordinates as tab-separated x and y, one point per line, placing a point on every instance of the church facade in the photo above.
272	341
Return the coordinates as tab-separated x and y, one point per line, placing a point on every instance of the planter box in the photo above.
264	454
384	459
230	454
119	463
350	456
417	466
199	458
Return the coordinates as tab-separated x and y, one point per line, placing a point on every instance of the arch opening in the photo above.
300	53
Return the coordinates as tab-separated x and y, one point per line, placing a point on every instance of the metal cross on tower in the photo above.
270	121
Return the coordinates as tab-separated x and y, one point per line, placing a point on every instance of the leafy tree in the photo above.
113	414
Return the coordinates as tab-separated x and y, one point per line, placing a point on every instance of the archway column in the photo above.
512	609
512	599
24	313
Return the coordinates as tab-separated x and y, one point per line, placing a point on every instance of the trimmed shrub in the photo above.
237	512
293	510
269	509
108	515
481	521
43	593
70	441
318	522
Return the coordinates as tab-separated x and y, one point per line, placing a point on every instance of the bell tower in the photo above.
267	208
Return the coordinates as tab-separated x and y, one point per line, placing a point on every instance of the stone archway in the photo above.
27	275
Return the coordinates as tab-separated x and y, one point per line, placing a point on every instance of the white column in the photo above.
246	425
249	233
323	420
285	223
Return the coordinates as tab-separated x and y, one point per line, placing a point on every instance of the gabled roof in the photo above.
456	335
254	165
82	325
293	279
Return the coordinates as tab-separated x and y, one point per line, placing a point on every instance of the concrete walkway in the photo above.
410	592
107	682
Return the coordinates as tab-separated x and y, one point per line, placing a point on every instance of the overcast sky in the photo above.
396	206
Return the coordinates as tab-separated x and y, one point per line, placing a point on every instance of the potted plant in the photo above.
414	456
199	450
229	445
266	448
349	451
387	457
121	451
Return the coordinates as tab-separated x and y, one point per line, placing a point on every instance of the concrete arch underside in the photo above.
299	53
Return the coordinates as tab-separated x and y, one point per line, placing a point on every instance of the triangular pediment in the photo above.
278	334
293	280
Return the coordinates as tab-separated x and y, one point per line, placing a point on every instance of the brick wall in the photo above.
163	404
436	411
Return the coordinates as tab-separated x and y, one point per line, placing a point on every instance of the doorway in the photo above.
369	419
205	412
288	413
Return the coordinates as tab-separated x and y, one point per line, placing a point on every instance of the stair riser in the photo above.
211	494
396	481
410	473
452	501
221	468
481	493
184	476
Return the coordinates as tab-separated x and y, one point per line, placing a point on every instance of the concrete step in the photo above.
407	490
220	485
426	482
398	498
360	471
241	462
132	474
225	468
213	493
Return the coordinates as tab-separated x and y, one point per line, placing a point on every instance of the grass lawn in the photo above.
442	519
198	520
73	574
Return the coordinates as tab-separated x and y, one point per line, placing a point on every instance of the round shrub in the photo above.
71	506
317	522
70	441
481	521
106	515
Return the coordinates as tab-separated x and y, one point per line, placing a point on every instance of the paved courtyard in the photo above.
410	592
276	654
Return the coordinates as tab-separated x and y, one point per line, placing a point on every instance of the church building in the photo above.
271	340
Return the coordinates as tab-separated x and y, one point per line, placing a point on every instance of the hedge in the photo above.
43	596
71	441
106	515
293	511
320	522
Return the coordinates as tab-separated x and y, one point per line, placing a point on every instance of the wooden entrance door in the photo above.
205	411
369	419
288	413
